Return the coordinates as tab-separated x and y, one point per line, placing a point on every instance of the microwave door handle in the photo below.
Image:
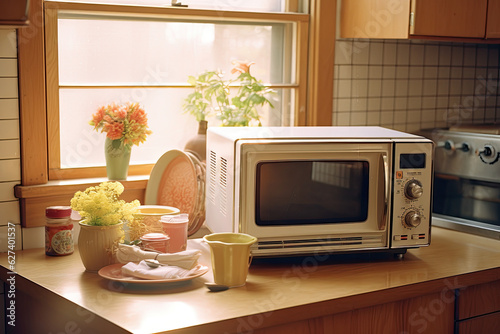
382	195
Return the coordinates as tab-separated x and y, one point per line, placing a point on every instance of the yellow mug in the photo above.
230	257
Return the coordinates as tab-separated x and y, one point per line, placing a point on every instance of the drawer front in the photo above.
479	300
489	323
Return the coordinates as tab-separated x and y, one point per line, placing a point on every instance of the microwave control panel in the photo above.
412	194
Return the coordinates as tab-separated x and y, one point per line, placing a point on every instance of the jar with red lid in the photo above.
158	242
58	231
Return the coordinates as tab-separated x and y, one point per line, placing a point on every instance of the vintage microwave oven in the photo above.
304	190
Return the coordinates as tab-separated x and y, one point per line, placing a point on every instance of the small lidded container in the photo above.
158	242
58	231
176	226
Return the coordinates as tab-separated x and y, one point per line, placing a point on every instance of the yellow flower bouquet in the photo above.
101	206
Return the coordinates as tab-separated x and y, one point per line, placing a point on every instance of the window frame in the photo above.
36	192
52	11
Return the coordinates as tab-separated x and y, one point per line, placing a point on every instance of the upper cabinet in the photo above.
492	21
476	19
14	13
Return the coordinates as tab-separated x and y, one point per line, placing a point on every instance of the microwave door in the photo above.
311	192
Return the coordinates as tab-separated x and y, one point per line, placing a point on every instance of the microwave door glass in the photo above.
311	192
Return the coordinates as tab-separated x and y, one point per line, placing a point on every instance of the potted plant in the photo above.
212	96
103	215
125	125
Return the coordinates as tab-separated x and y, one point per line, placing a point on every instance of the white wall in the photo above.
10	156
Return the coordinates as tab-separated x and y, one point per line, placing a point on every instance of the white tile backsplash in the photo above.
457	56
376	56
444	55
493	56
403	56
415	84
417	52
390	54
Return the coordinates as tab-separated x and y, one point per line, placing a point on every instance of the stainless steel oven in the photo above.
467	178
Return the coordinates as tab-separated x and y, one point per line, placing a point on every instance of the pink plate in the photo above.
178	180
114	272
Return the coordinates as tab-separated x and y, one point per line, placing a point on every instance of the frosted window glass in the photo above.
81	146
105	56
97	51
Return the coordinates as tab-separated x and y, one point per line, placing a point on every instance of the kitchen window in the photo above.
45	183
97	54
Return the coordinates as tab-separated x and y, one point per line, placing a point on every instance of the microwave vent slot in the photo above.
212	177
331	243
223	186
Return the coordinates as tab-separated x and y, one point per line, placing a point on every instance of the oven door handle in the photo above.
382	192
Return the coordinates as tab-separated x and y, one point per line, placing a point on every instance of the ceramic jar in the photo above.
97	245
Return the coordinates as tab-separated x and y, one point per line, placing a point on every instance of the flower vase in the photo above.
98	244
198	144
117	159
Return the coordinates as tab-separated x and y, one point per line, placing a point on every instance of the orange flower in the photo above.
120	113
138	115
241	66
98	117
127	122
114	130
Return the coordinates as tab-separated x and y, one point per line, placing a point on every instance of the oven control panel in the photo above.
467	155
412	194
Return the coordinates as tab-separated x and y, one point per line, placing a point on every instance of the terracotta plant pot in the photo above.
198	144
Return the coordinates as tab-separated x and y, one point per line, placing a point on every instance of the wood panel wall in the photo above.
10	151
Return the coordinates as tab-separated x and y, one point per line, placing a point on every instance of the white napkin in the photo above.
186	259
142	270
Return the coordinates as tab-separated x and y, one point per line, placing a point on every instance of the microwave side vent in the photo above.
212	170
223	186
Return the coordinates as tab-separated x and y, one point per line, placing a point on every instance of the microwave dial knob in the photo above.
413	189
412	219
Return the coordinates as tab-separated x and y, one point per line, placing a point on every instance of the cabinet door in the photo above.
14	13
489	323
493	22
478	300
449	18
374	18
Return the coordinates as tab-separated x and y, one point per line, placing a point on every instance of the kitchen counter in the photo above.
56	294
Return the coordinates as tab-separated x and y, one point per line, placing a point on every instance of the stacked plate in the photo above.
178	180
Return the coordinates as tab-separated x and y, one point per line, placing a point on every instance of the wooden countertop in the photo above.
276	292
